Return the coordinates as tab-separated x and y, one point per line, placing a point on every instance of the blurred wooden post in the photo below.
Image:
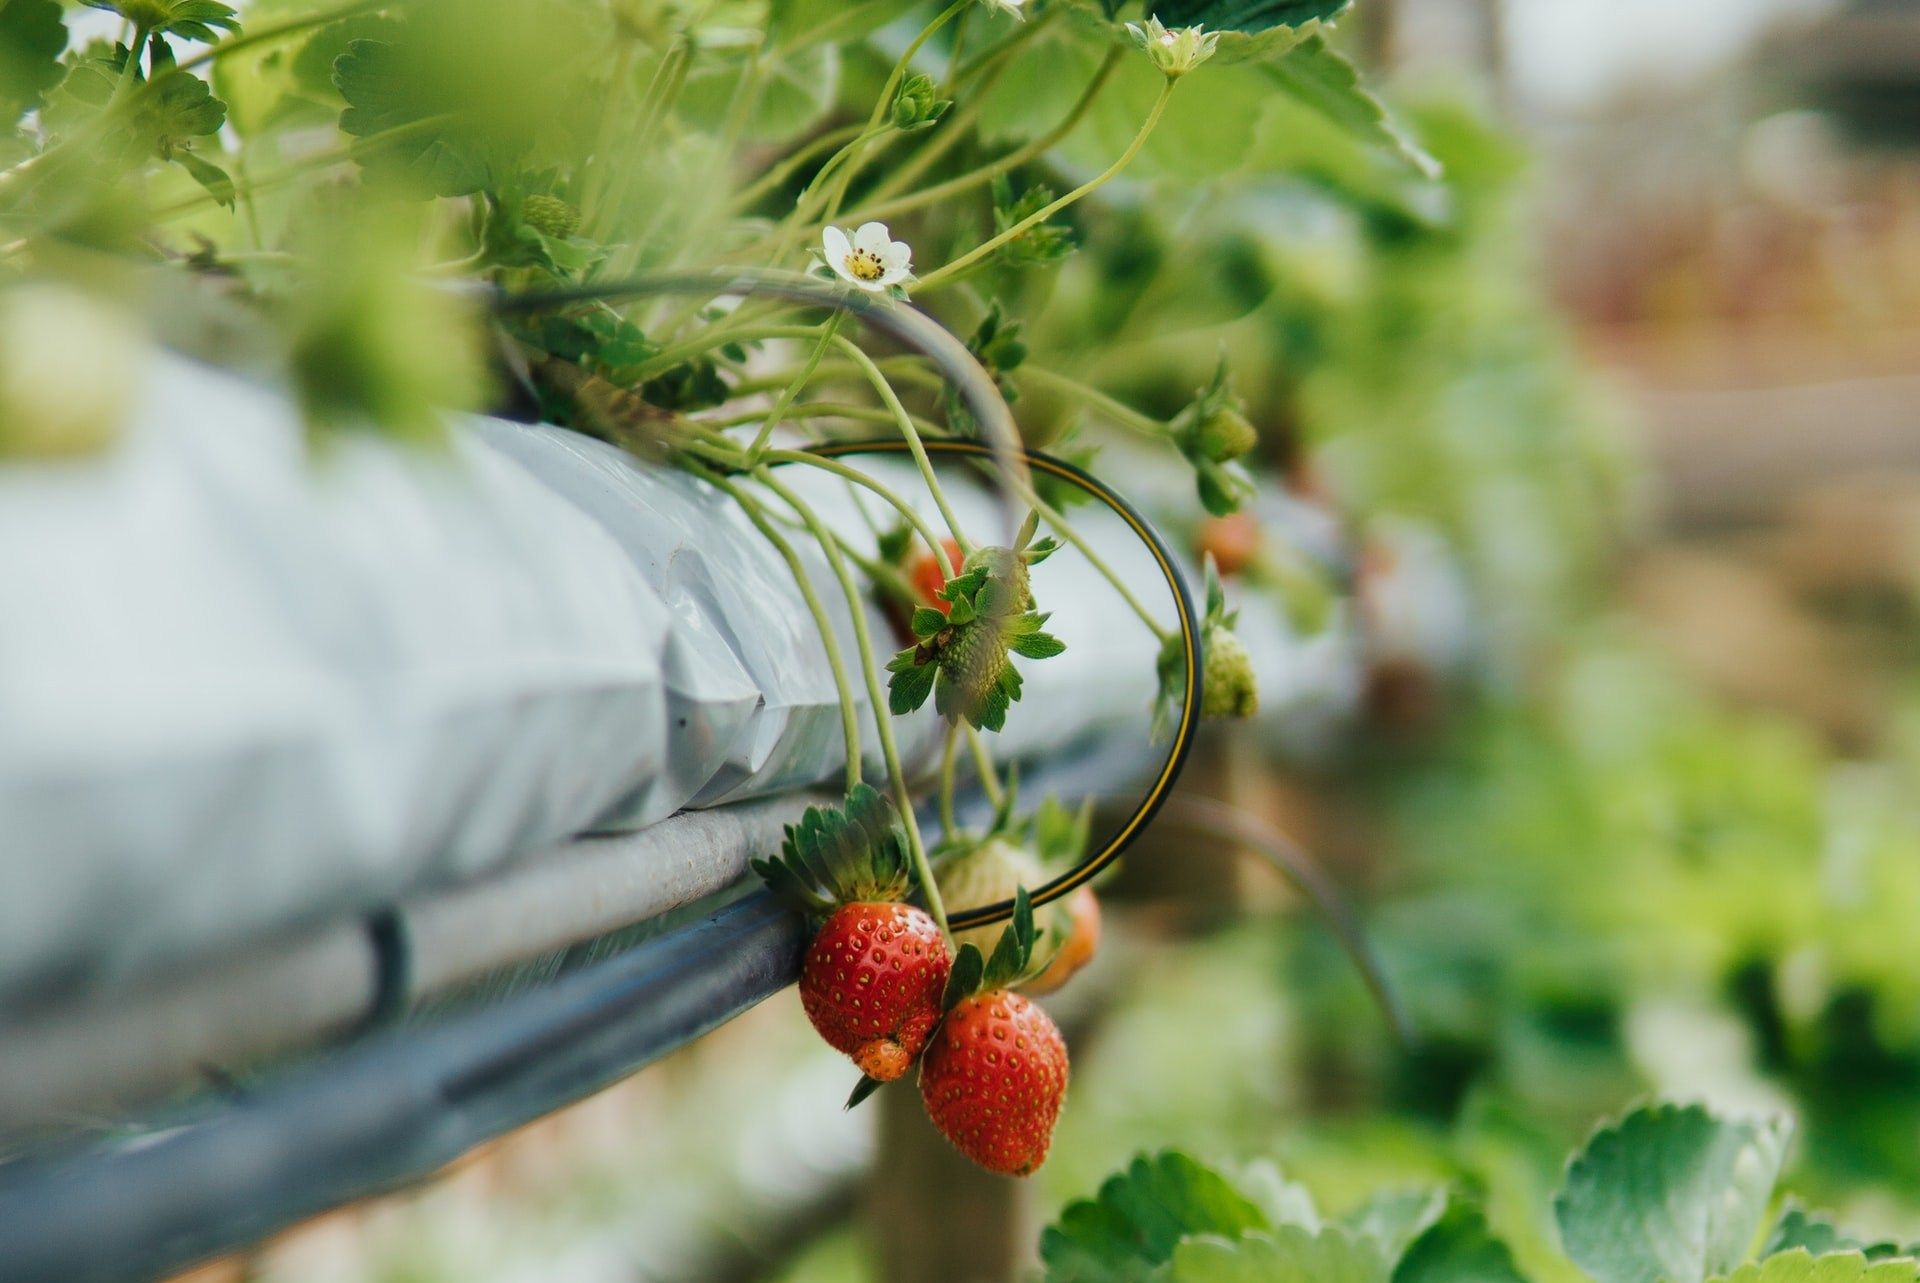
931	1214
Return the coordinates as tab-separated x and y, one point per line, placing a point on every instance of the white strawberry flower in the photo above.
1013	8
870	259
1174	52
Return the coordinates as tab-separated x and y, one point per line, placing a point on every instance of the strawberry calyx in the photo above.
838	855
1012	959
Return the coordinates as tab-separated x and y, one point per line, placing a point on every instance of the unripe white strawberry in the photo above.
989	874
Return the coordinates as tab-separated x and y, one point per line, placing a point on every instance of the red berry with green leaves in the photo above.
871	984
995	1075
994	1079
874	975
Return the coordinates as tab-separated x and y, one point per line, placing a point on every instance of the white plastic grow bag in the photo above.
243	688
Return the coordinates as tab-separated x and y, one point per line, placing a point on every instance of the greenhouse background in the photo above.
1379	538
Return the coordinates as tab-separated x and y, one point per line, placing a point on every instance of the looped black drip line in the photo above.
1176	759
1003	448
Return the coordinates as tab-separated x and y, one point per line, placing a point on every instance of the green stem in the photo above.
884	103
1041	215
849	715
912	434
983	763
947	757
728	456
129	74
717	336
940	192
752	192
1058	522
828	329
359	148
603	138
883	720
1124	415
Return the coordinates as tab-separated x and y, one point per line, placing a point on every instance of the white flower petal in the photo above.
897	256
872	237
837	248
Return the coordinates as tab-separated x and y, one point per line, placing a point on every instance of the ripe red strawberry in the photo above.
1233	541
929	577
871	984
872	979
995	1074
994	1079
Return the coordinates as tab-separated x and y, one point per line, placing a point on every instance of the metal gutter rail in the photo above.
398	1107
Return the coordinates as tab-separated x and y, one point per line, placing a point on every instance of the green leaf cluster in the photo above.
1668	1194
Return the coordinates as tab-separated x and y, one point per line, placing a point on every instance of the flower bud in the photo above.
917	105
1225	435
1174	52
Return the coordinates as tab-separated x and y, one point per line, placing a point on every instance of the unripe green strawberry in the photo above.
550	216
973	661
993	1080
1229	688
1225	435
871	984
989	874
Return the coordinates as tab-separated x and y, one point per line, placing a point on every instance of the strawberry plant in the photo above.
762	239
1666	1194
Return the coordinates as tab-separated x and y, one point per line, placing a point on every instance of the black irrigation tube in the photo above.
404	1103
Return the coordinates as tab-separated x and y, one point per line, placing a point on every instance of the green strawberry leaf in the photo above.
911	683
861	1090
32	37
1797	1227
209	175
1669	1194
1395	1218
963	979
1289	1254
1801	1266
1457	1248
1014	950
382	91
201	20
1139	1218
1318	76
927	621
1251	29
1036	645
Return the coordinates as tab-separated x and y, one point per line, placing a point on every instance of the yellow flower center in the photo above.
866	265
